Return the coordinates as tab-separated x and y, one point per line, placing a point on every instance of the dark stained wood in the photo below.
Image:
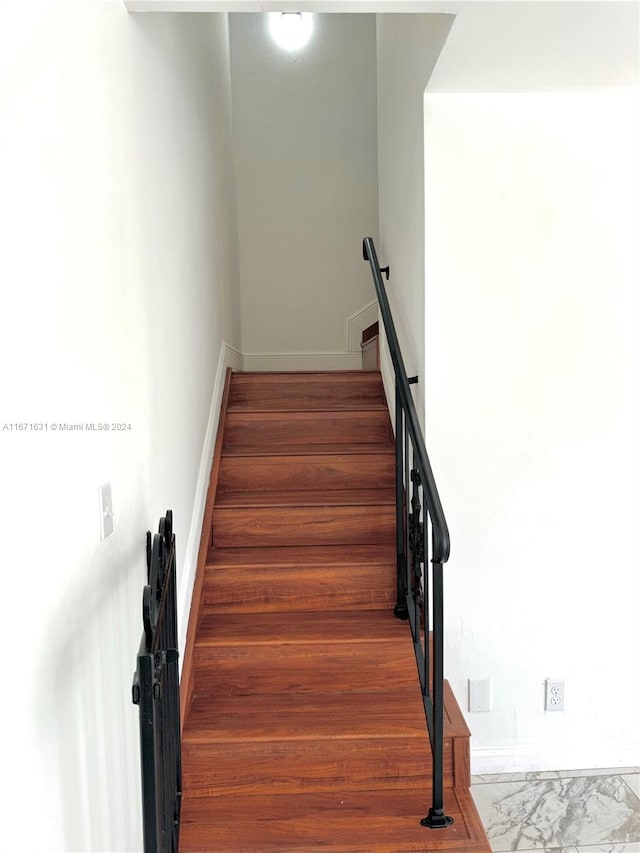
370	332
278	429
186	679
274	526
337	822
302	628
333	471
309	450
308	497
299	391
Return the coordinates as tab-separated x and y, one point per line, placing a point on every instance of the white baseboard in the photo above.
545	757
356	324
229	357
262	361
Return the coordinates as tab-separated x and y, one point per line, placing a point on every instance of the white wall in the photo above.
530	366
533	214
407	50
305	148
531	328
118	268
538	47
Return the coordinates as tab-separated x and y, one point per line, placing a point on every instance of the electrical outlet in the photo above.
554	695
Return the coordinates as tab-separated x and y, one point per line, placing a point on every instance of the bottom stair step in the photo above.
348	822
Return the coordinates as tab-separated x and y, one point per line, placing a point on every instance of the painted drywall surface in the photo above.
117	265
539	47
534	414
407	50
305	146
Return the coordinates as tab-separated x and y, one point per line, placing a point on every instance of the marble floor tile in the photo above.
633	781
556	813
634	847
535	775
552	850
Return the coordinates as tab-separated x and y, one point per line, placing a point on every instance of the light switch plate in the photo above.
479	694
106	511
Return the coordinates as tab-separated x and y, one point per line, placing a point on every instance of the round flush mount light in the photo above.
291	30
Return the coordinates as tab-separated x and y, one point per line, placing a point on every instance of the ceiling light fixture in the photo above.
291	30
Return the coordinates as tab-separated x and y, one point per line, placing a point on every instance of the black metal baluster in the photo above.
436	818
426	599
408	462
415	542
400	609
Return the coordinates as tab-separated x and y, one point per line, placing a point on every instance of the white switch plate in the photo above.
106	511
479	694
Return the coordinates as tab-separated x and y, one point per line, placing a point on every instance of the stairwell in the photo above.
304	728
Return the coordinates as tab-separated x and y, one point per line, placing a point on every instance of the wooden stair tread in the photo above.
281	429
365	404
302	628
304	578
293	449
307	497
321	556
337	822
331	471
306	716
397	713
268	526
284	376
305	390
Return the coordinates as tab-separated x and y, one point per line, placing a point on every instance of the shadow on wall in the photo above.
83	706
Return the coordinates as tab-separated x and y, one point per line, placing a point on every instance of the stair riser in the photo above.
321	667
268	590
315	765
300	472
270	429
295	391
282	526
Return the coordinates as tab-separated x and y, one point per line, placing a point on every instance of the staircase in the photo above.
305	729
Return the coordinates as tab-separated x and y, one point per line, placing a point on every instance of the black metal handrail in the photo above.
419	591
156	690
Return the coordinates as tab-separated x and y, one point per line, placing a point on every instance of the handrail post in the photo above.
436	818
400	610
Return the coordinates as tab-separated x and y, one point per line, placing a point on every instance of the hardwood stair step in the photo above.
307	450
245	580
283	391
337	822
297	742
296	628
303	652
305	716
307	498
301	742
312	555
293	767
332	471
278	429
312	525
